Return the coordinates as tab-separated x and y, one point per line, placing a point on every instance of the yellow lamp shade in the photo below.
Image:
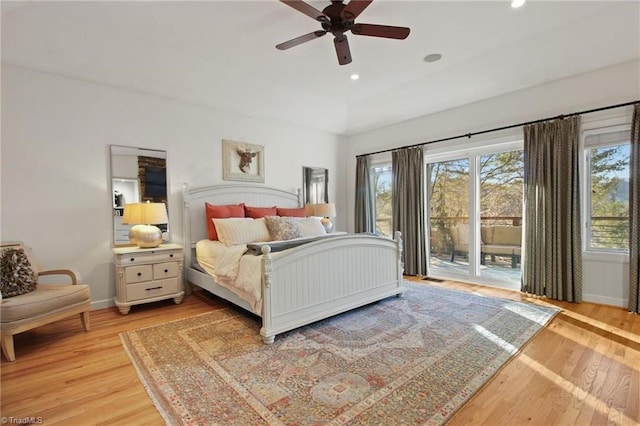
144	215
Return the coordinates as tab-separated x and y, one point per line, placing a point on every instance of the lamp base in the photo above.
328	224
133	234
148	236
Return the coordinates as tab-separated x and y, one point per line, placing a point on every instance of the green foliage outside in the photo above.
609	214
501	195
382	176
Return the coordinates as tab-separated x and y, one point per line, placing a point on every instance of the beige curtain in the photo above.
365	201
634	213
408	207
553	244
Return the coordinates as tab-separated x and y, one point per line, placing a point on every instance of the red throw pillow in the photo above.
221	212
299	212
258	212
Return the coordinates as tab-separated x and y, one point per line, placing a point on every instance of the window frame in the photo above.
586	185
380	162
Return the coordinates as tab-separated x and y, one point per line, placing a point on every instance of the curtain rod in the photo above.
496	129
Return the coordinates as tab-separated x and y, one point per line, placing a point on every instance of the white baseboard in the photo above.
102	304
604	300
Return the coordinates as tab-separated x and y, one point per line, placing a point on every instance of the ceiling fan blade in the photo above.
307	9
299	40
353	9
385	31
342	49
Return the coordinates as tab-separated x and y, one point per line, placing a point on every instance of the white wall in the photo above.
56	132
613	85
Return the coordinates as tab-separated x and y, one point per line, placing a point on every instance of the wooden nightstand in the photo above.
146	275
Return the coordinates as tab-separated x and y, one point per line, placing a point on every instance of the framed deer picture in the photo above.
242	161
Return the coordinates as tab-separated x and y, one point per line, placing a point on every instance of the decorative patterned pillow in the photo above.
310	226
17	275
221	212
282	228
235	231
259	212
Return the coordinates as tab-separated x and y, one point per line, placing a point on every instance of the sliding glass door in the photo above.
475	215
501	196
448	195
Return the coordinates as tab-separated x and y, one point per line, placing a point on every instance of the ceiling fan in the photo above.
337	19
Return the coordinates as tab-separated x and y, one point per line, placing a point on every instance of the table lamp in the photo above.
326	211
144	216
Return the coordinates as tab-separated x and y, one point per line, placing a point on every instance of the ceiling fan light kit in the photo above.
337	19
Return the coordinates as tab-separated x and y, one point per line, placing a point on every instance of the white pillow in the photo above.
241	230
310	226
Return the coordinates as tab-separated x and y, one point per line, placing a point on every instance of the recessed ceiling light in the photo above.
355	76
433	57
517	3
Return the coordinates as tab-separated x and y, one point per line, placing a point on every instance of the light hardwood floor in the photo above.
584	368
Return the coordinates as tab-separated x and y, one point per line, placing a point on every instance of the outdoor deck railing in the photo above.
611	232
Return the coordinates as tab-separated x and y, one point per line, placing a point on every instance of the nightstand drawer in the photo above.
150	257
164	256
136	274
134	259
152	289
165	270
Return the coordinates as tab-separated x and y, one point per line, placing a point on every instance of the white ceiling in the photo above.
221	53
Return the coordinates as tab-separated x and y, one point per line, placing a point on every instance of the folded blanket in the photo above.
256	248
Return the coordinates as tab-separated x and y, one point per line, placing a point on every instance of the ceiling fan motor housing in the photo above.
336	24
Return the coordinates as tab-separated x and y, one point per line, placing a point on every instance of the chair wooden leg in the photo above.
7	346
86	323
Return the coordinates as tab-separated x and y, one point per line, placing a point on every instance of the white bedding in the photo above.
238	273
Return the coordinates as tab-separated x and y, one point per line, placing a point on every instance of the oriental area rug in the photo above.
413	359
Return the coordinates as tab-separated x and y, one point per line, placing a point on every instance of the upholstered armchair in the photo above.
26	304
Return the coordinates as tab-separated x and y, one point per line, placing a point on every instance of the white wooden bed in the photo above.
304	284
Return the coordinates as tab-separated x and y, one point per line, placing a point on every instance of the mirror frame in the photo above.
315	177
129	176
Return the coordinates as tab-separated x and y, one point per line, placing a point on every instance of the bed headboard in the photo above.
195	226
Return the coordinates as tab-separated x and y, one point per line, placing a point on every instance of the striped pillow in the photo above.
310	226
235	231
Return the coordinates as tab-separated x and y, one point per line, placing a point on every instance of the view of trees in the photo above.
609	167
448	200
448	191
502	190
382	176
502	187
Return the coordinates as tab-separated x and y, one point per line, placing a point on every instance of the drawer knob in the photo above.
133	259
171	255
139	274
166	270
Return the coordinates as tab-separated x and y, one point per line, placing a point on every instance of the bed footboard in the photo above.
327	277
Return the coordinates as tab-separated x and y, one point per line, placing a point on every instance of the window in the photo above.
607	195
381	177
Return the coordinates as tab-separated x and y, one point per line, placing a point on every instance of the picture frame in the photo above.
242	161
